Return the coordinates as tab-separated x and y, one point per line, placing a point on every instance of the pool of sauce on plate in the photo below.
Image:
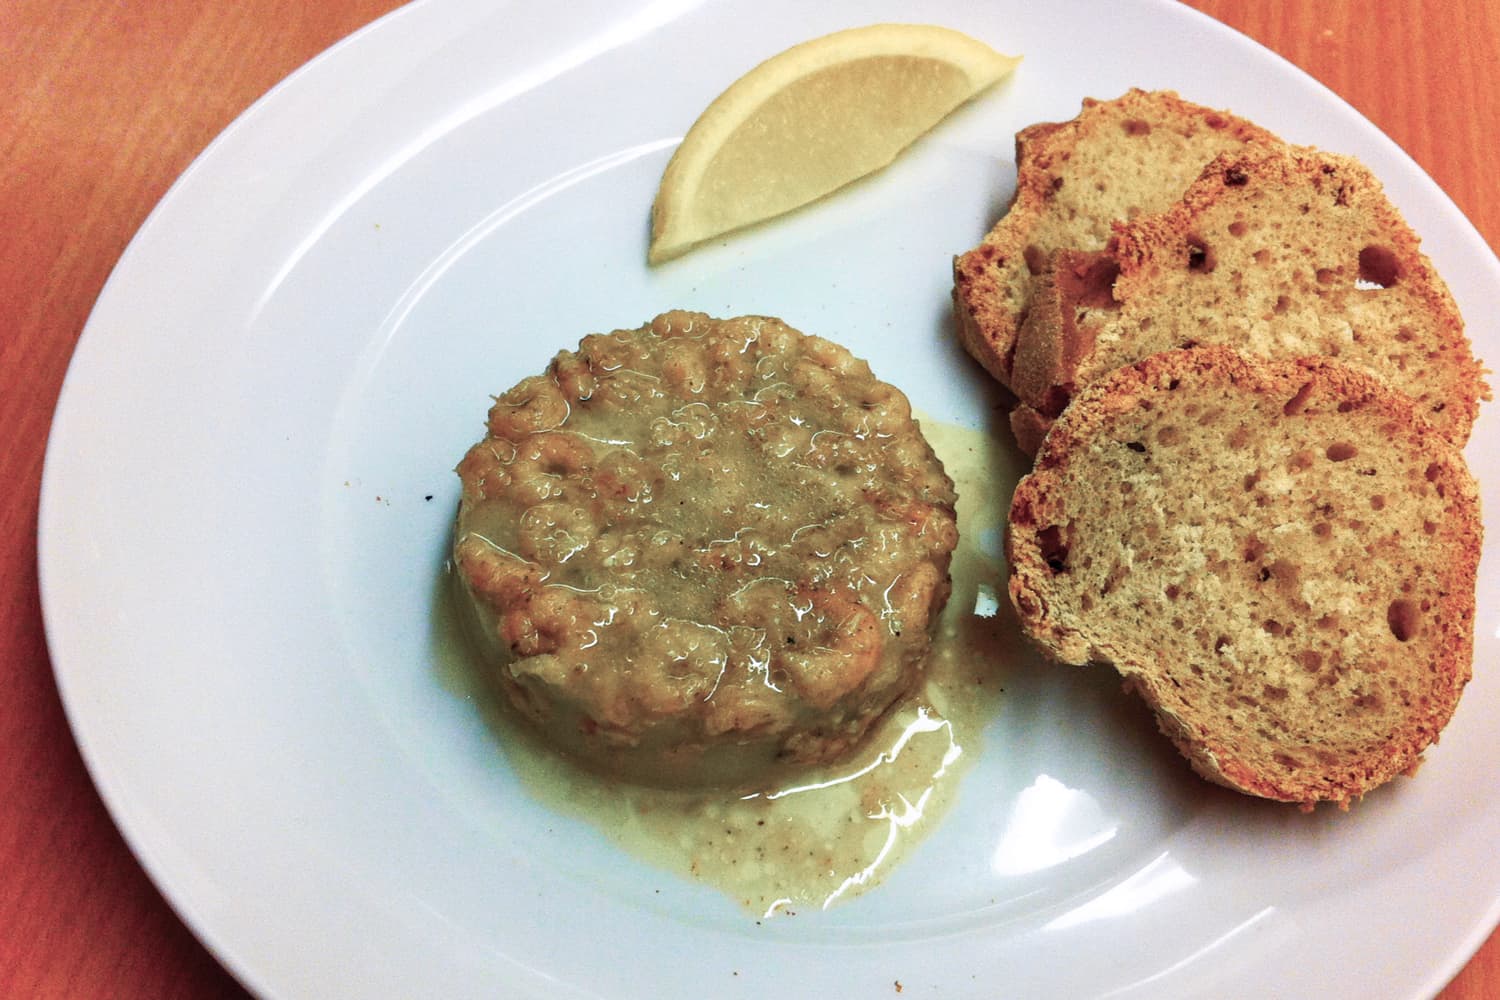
826	834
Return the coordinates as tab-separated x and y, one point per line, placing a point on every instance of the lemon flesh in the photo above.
811	120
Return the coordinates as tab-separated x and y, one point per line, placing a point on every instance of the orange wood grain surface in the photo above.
103	104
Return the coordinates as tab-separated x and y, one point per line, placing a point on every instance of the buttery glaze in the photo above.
702	550
831	832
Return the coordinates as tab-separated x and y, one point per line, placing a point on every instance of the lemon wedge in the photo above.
810	120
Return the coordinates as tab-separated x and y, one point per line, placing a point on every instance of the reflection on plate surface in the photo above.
1050	823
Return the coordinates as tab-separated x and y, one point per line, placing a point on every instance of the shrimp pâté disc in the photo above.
704	550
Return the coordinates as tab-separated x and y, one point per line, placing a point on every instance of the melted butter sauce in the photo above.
829	833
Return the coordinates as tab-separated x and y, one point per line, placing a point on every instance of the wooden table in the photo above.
103	104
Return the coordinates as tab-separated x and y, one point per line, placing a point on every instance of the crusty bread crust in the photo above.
1279	556
1276	251
1119	158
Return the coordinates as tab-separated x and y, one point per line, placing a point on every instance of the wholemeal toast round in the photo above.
1117	159
1279	556
1282	251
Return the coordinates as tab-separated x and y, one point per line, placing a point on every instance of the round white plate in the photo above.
248	489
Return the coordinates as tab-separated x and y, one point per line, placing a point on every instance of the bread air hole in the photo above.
1200	256
1299	400
1341	451
1378	267
1402	617
1089	281
1117	575
1433	474
1054	550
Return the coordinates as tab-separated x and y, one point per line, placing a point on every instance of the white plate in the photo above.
248	489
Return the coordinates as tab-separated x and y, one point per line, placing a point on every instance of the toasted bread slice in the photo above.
1282	251
1120	158
1279	556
